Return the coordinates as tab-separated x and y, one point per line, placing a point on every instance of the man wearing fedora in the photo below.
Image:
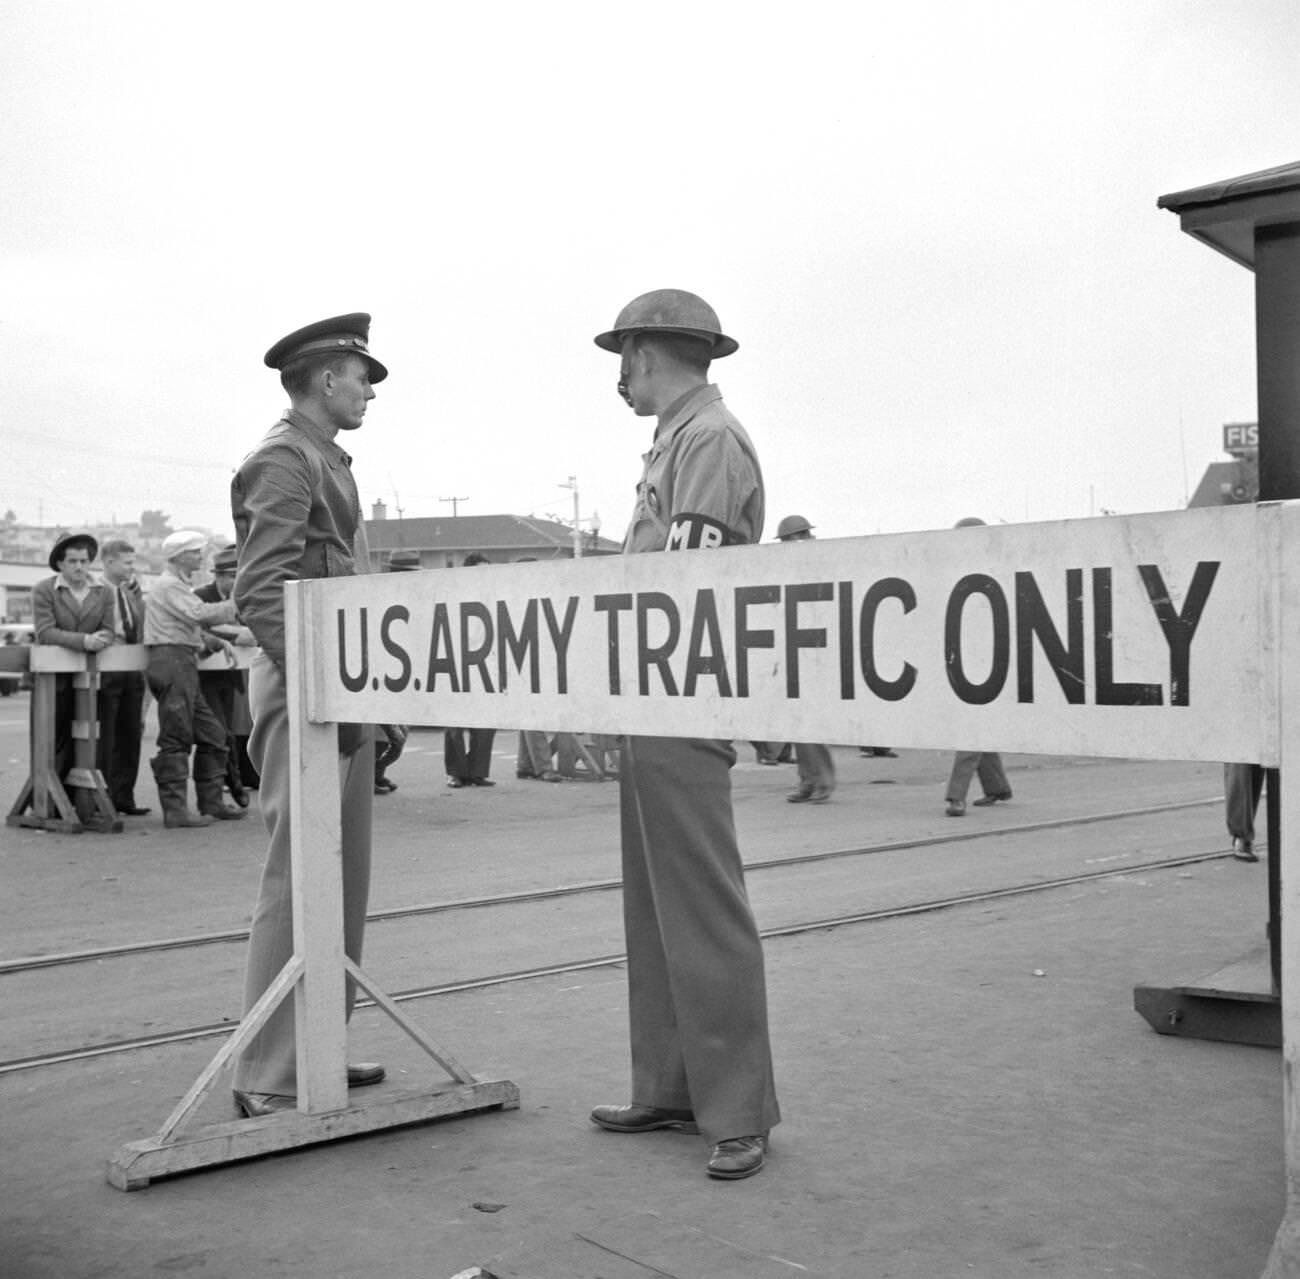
297	516
177	634
72	611
697	1000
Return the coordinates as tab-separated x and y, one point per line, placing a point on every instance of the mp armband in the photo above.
690	532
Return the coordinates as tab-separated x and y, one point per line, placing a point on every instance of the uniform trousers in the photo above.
993	778
697	997
1242	784
121	725
269	1063
816	767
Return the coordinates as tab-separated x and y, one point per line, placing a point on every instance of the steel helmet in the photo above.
791	525
668	311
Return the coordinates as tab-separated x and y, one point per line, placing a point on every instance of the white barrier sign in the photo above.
1146	636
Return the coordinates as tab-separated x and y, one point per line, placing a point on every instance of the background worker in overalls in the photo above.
697	998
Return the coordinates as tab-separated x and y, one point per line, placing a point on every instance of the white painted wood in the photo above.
316	844
409	617
135	1164
1284	1260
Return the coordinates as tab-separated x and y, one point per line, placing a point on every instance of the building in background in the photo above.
443	541
1235	482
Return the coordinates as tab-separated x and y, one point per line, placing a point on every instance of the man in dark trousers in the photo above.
298	516
697	998
177	634
224	690
121	693
467	752
73	612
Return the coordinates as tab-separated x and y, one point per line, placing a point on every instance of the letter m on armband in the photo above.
689	532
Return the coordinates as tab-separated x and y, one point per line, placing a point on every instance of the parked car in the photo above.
15	639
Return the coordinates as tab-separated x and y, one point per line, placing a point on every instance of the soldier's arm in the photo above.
273	494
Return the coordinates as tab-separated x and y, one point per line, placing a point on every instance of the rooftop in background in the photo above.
444	541
1224	214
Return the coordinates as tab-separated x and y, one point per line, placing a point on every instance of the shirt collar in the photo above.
682	409
327	444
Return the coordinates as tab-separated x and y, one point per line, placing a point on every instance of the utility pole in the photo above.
577	526
455	504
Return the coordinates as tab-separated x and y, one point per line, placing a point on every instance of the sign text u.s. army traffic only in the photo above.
1141	636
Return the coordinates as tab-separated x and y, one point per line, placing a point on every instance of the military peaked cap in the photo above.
339	335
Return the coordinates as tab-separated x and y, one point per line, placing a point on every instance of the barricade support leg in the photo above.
315	977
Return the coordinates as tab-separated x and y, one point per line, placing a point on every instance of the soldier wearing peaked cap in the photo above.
697	998
298	516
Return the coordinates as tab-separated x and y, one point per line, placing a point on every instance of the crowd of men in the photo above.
179	625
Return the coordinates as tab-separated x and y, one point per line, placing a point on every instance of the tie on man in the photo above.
130	628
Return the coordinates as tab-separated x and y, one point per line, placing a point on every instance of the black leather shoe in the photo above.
257	1105
985	800
133	810
1244	851
636	1118
956	808
481	781
455	783
737	1157
363	1073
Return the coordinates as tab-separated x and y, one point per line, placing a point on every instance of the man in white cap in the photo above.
174	632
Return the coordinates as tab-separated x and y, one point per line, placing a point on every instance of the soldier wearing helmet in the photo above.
701	1059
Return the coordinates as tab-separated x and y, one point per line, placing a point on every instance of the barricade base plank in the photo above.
138	1163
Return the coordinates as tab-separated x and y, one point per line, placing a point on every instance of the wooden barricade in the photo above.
44	802
1154	637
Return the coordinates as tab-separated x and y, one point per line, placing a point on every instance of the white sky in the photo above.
931	227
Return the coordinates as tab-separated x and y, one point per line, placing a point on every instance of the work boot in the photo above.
170	775
212	803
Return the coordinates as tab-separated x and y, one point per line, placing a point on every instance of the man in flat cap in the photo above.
73	612
298	516
697	1000
176	634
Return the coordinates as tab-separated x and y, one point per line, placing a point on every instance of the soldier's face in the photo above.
347	392
632	380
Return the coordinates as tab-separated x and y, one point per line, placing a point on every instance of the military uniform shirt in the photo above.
701	485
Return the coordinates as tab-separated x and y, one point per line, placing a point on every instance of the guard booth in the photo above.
1254	220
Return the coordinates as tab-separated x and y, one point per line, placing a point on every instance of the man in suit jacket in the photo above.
121	693
73	612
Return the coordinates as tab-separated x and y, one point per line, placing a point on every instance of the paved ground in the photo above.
966	1093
